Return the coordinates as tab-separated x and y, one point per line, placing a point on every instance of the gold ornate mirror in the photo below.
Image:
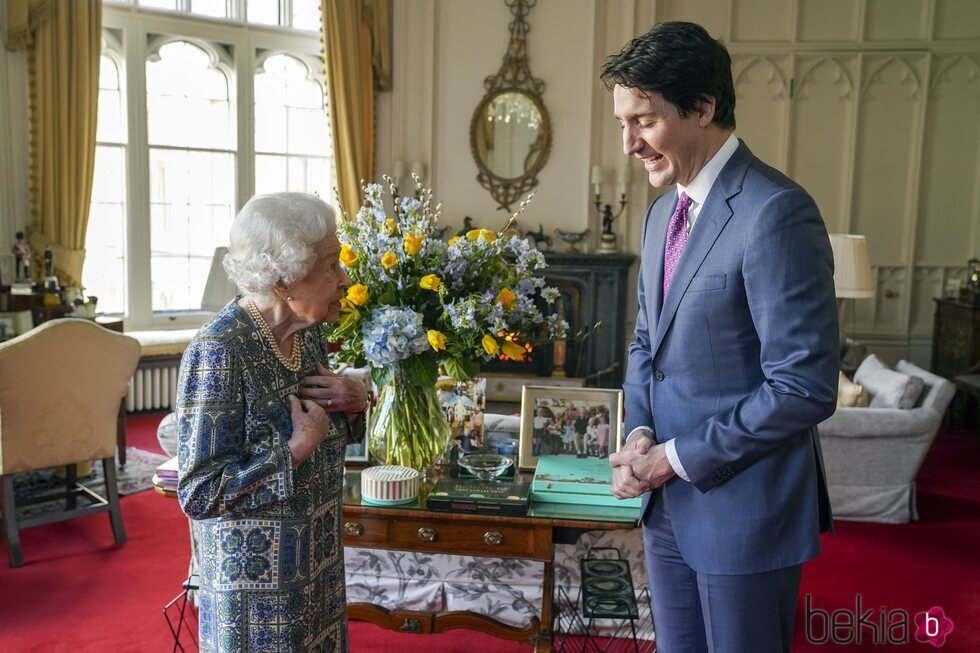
510	134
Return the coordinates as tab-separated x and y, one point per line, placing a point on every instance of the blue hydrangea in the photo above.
392	334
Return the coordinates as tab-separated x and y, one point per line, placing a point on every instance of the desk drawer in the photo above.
463	538
361	530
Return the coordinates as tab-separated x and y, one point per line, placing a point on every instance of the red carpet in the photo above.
81	593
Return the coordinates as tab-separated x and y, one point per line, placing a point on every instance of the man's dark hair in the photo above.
680	61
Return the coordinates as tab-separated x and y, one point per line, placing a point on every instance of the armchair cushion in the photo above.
888	388
850	394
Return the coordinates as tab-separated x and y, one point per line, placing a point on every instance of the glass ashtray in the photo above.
485	466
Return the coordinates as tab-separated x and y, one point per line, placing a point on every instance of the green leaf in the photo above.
382	376
461	368
422	369
388	297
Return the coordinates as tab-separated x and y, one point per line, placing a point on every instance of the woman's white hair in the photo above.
273	240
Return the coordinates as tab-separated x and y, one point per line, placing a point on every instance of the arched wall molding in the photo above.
910	78
843	77
947	64
775	74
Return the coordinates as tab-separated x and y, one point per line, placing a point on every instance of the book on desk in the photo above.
568	479
474	496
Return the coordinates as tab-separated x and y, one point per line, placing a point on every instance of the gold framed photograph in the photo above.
573	422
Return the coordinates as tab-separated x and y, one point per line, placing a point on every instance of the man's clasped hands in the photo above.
640	466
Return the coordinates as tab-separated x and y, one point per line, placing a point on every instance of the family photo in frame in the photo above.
572	422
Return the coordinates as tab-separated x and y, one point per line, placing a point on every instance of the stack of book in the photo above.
166	475
584	481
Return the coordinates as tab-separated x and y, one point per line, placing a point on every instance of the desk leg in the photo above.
543	643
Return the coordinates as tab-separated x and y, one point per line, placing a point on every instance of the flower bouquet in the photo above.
417	303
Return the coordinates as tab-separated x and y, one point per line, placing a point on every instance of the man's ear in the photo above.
705	108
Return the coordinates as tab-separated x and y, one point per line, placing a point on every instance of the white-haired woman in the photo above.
262	429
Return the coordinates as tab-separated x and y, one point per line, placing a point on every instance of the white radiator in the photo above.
152	388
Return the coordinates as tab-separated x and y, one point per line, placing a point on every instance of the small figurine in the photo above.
48	262
542	241
22	253
440	232
467	226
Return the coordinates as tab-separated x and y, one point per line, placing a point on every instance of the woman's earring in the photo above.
289	298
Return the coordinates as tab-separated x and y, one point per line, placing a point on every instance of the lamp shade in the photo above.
218	290
852	266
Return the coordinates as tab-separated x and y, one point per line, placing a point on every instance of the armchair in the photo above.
60	390
872	455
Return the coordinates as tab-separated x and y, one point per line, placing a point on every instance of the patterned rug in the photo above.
136	476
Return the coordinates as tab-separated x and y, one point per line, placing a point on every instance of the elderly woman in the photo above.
262	427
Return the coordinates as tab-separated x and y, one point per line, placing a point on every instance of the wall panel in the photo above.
894	20
762	105
891	99
828	20
820	132
762	20
947	226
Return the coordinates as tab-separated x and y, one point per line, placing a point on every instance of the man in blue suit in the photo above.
735	358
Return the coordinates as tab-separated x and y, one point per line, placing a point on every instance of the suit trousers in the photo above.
710	613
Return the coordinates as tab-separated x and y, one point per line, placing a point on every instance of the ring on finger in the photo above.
330	402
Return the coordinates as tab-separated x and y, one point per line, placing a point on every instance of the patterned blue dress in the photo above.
270	548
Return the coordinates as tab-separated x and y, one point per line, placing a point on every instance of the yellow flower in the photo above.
390	224
347	256
481	234
490	345
348	313
430	282
412	244
506	298
437	339
389	260
358	294
513	351
453	241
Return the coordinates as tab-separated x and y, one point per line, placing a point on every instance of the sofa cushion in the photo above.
888	388
850	394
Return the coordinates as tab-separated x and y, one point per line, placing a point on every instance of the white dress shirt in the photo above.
698	191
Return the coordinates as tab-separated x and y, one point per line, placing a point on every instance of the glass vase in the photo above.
408	426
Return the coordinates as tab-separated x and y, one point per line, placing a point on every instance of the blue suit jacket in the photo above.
738	365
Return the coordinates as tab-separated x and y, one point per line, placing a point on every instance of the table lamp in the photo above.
852	272
218	291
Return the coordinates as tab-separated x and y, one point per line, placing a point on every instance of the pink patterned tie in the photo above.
676	239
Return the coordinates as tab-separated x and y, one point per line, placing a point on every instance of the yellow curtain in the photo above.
357	60
64	38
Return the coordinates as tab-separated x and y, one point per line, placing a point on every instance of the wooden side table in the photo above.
529	537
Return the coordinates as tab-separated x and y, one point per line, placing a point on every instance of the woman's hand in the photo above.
310	425
332	392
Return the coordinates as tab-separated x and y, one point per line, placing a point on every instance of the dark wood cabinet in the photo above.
955	338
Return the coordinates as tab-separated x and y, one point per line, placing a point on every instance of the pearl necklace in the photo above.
295	359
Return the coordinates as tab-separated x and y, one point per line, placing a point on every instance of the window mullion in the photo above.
244	74
139	289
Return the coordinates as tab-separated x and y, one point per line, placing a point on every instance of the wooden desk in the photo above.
413	528
530	537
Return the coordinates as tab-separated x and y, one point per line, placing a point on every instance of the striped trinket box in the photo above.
389	485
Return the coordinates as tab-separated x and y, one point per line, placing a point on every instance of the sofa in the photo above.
872	455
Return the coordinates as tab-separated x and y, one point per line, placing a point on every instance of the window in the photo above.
291	135
225	109
104	274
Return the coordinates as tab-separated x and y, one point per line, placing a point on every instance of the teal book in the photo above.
567	479
485	497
